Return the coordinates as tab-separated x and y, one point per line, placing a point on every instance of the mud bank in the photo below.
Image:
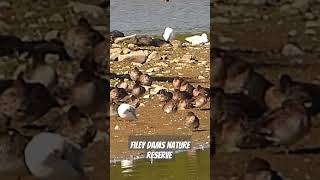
189	63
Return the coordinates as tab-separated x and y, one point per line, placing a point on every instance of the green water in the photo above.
185	166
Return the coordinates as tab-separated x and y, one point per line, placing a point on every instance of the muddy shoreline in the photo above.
151	119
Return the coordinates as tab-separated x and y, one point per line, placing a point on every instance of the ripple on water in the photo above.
152	17
192	165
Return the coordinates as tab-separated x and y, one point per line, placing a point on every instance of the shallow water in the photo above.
153	16
186	166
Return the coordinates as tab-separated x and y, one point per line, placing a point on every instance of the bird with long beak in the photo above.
127	111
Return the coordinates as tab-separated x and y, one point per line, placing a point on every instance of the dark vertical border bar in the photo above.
106	5
212	122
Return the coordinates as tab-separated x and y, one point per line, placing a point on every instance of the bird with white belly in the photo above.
196	40
168	34
127	111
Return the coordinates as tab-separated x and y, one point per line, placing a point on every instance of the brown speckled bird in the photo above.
200	101
88	92
185	104
24	102
78	127
275	95
192	121
178	95
134	101
177	83
199	90
231	133
287	124
145	80
186	87
81	39
164	95
170	107
118	93
138	90
135	74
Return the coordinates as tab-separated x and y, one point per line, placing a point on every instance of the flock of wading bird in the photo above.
250	112
125	99
50	115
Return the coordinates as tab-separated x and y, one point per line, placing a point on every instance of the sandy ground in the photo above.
151	119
